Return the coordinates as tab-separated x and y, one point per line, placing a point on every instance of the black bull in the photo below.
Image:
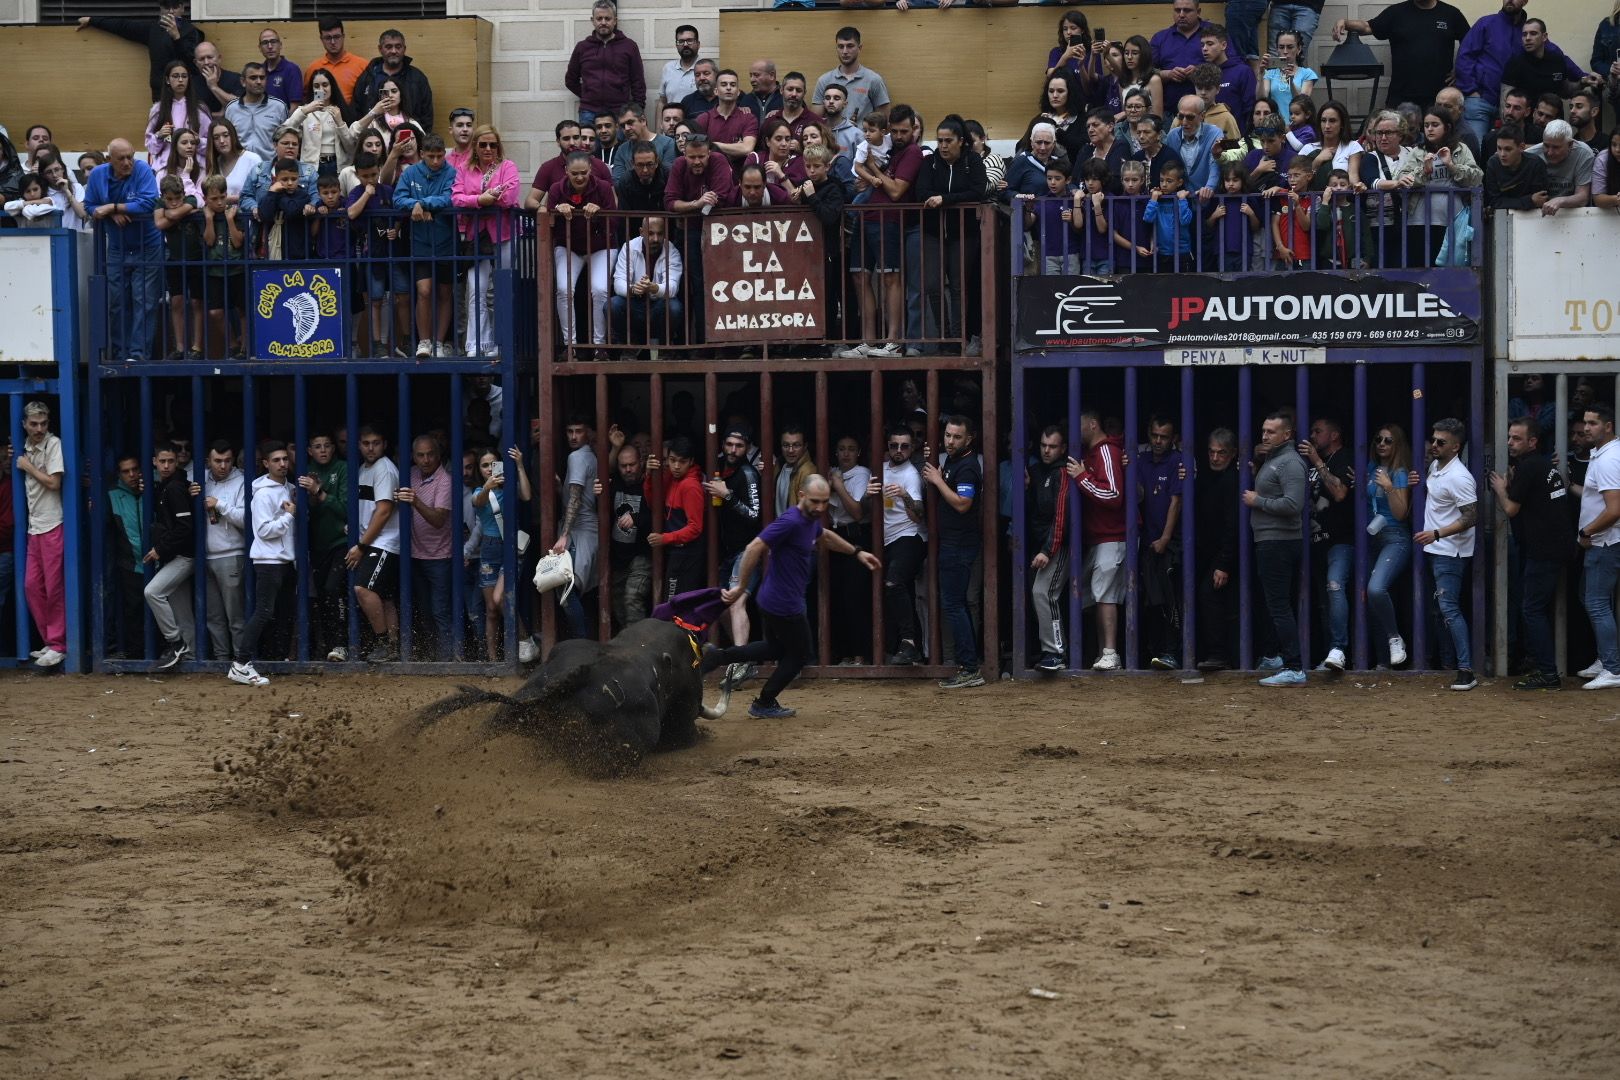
604	706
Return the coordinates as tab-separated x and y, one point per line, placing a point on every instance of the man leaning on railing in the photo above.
121	196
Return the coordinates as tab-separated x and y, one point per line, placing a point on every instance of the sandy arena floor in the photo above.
1214	881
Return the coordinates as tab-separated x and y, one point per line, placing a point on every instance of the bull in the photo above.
603	707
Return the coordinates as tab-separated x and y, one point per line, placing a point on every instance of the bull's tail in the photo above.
719	708
465	698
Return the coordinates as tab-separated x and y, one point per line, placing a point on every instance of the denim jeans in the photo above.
1602	570
134	298
1243	27
1450	575
472	609
1296	17
430	596
1538	583
1393	554
1338	563
637	320
1479	113
955	572
919	319
1277	562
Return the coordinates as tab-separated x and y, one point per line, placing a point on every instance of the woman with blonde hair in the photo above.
486	189
1390	522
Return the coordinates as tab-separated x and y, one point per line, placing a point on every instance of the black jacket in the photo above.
11	171
828	204
647	198
1506	190
955	182
1216	530
740	511
174	522
415	92
160	47
1048	507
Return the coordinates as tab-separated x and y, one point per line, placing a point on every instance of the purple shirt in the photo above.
1125	218
286	83
1161	481
1171	49
792	539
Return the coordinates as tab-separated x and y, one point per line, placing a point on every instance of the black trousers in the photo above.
787	641
851	588
271	583
131	614
1218	617
683	568
330	579
1277	564
902	559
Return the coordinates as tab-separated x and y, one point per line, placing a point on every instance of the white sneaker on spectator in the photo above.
49	658
854	352
1606	680
1108	661
338	654
974	347
886	350
244	674
912	350
36	654
528	651
1335	660
424	349
1591	671
1397	651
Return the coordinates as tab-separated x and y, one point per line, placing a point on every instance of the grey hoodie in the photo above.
1281	487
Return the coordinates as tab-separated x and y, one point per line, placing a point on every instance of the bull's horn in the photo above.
719	709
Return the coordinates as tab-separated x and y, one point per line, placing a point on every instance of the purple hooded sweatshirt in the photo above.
606	75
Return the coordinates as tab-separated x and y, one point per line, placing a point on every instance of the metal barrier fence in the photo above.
225	384
1132	234
39	347
942	263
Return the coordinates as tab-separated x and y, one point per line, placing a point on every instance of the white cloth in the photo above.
273	531
225	534
568	265
856	481
1450	489
378	482
896	522
241	169
630	266
1603	474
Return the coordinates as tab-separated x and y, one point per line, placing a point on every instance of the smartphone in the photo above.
497	468
1099	34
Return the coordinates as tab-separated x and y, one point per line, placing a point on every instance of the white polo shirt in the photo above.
1450	489
1603	474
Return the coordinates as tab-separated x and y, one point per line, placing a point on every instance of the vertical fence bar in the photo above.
301	524
406	515
606	466
655	480
458	523
100	507
513	593
1302	398
1017	545
250	460
1420	446
1479	429
19	506
1245	542
990	593
1189	529
930	575
1133	505
767	449
148	505
1566	586
823	589
711	460
200	577
1075	539
878	434
351	454
1359	493
545	489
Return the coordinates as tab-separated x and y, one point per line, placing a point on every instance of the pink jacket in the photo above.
157	150
470	184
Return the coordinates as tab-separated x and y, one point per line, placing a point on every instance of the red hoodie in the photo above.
1102	487
683	509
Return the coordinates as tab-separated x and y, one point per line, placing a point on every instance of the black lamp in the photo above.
1353	61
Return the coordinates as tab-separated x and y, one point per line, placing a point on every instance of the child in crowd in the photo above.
1339	225
1207	84
1302	137
1233	223
334	244
825	196
185	162
875	147
1047	218
425	190
1088	217
1171	216
1291	222
383	248
223	241
282	212
177	218
1133	238
33	207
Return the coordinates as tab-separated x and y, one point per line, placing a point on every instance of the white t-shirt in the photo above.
44	505
1603	474
856	481
378	482
896	522
1450	489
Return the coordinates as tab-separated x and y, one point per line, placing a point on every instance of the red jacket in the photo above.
1102	486
683	509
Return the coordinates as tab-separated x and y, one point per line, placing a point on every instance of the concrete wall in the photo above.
533	39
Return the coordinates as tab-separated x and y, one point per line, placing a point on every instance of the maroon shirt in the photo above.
686	186
729	129
793	170
797	125
557	169
604	75
774	196
580	234
903	165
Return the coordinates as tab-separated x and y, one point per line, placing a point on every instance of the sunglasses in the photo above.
1187	116
489	146
899	446
1437	441
1384	440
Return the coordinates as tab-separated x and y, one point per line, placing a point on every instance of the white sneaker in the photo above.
885	351
1606	680
49	657
1397	651
338	654
36	654
244	674
1108	661
855	352
528	651
974	347
1335	660
1591	671
424	349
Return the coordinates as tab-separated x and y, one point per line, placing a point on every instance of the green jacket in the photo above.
329	516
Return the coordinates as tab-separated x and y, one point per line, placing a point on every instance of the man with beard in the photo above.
1048	487
1331	474
702	99
571	139
605	70
903	545
1216	492
629	555
734	490
1533	496
678	79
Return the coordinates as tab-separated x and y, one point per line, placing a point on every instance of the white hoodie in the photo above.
225	535
273	531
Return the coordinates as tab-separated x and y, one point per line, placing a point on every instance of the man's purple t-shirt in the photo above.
792	539
1162	482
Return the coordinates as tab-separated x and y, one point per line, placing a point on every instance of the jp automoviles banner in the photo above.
299	314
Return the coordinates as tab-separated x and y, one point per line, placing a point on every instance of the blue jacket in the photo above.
420	184
1025	176
1203	170
262	176
139	194
1174	230
1485	52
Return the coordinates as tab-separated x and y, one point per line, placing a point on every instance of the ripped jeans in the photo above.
1333	582
1450	574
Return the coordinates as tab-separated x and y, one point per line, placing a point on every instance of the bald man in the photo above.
124	193
791	541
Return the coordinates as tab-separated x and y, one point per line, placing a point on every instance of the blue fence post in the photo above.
351	420
199	472
1189	529
300	456
1077	506
19	507
1417	651
404	514
1245	449
1360	494
148	505
458	486
1307	580
1133	592
250	463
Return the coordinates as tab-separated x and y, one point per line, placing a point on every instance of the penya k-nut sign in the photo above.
762	273
1388	308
